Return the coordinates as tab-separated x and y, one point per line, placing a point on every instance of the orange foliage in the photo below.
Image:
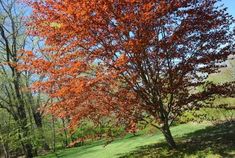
119	57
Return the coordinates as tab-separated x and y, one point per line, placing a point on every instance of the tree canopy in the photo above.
130	59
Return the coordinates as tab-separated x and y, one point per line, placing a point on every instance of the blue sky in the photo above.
230	4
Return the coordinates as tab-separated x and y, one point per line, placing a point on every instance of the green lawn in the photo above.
194	140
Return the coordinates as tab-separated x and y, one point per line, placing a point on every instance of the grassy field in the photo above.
194	140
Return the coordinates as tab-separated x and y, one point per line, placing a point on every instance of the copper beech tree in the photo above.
130	59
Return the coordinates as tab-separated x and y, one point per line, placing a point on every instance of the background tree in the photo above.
150	56
12	40
16	97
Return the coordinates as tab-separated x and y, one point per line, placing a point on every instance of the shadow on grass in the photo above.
216	141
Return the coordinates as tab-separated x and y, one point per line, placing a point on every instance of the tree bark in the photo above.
53	134
38	121
27	146
5	150
168	136
29	150
65	133
21	112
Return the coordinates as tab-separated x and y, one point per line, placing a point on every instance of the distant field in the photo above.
194	140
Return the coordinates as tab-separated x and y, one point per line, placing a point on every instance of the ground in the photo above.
193	139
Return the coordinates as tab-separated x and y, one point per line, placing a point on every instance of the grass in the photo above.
216	141
194	140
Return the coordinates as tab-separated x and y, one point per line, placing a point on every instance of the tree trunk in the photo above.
21	113
65	133
27	146
168	136
29	150
53	134
38	121
4	146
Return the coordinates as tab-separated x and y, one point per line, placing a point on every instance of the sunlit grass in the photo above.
135	146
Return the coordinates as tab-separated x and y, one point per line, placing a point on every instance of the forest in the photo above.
117	79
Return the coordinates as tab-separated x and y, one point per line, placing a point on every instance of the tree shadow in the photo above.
214	140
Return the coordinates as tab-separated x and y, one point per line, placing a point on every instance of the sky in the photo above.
230	4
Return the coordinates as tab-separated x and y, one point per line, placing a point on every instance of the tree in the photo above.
130	59
16	96
12	40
